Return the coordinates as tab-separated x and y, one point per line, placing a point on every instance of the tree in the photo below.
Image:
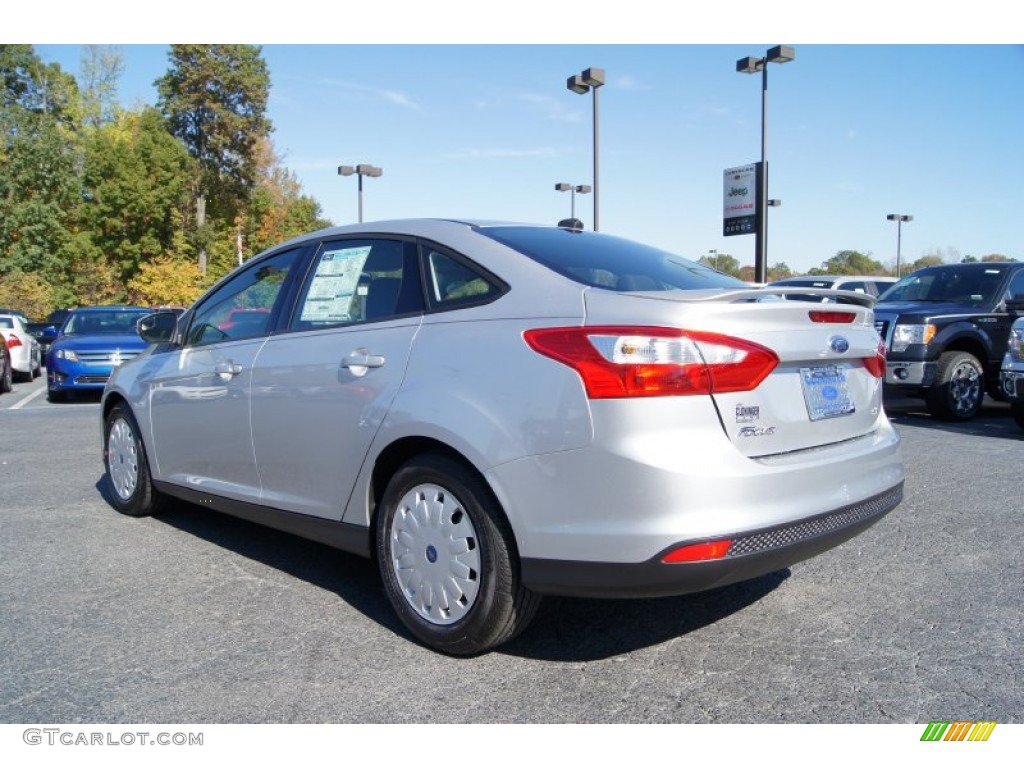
215	98
996	257
39	166
924	261
102	67
850	263
779	271
135	185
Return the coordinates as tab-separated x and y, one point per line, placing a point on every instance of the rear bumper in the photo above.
752	554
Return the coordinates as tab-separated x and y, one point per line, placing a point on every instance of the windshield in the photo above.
608	262
962	285
108	321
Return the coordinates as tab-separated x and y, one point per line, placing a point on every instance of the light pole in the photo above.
780	54
361	170
581	188
590	79
899	218
715	252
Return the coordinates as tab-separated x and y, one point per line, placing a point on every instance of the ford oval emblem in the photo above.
839	344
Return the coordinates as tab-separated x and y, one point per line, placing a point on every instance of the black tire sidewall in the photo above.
142	502
941	399
482	627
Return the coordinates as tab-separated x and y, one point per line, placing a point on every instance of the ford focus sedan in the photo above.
495	412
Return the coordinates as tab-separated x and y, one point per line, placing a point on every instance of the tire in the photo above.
7	378
1017	411
448	559
37	369
124	455
959	387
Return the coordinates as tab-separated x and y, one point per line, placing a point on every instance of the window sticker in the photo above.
333	295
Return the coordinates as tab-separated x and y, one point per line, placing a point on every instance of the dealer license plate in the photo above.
825	392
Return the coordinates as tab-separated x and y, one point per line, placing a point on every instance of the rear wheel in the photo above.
128	474
448	560
958	389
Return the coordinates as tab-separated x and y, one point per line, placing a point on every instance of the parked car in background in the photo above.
47	330
26	362
92	342
1012	371
870	285
495	412
945	328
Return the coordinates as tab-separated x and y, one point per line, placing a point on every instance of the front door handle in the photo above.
360	361
227	370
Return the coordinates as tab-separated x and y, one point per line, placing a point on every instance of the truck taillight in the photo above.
624	361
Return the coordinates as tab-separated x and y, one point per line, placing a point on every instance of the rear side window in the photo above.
452	282
605	261
359	280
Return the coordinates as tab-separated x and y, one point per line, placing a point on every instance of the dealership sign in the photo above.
739	212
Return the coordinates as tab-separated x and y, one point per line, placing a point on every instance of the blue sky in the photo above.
855	131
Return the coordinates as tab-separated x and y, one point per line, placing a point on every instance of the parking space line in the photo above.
27	399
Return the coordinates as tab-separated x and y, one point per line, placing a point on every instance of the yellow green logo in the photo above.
958	730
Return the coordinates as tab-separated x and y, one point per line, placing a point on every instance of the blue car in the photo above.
92	342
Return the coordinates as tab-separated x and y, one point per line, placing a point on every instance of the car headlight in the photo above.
67	354
1016	343
905	335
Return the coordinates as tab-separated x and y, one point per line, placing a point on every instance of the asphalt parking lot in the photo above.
194	617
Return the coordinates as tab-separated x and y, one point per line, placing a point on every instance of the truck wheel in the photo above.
958	389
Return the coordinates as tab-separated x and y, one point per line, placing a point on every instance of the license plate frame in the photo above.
826	392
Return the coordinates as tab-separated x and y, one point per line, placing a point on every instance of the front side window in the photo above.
245	305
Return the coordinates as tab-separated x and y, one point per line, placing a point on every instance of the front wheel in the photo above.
958	389
128	474
448	560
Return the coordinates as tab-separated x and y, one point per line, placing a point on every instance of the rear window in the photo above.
605	261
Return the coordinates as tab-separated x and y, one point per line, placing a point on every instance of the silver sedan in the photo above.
494	412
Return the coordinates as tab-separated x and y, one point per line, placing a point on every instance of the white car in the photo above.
494	412
26	355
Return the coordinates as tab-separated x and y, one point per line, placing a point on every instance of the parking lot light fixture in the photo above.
363	169
591	79
899	218
780	54
573	189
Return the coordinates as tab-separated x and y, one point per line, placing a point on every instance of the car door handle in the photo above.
360	360
227	370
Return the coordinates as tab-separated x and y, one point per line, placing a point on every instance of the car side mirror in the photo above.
158	327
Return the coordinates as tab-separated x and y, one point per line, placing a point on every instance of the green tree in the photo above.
996	257
215	98
921	263
39	166
779	271
722	262
135	182
850	263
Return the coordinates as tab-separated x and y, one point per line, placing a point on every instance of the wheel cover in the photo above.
123	459
965	388
435	554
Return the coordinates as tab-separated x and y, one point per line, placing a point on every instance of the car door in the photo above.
200	394
321	390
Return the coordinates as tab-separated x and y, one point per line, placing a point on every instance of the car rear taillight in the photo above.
617	361
876	364
13	342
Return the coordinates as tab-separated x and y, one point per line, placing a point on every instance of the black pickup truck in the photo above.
945	330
